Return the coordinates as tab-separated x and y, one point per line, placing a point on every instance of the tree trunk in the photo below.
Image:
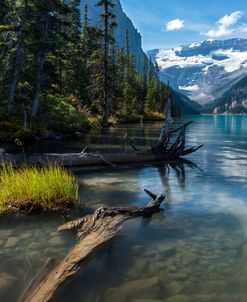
92	232
18	61
106	52
40	71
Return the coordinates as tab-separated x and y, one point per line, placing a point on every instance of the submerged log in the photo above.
92	232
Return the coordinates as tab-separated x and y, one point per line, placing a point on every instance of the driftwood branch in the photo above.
165	129
132	144
92	232
124	140
180	128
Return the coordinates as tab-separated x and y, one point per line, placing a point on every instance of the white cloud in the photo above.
174	24
225	26
219	32
231	19
244	29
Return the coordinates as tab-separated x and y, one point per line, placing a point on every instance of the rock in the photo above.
25	236
231	297
56	241
2	151
137	289
180	243
34	255
178	276
153	268
234	243
11	242
188	257
146	300
164	247
174	287
5	233
137	269
180	298
6	281
171	268
214	286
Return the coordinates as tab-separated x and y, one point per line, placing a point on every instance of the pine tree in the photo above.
50	20
107	16
18	57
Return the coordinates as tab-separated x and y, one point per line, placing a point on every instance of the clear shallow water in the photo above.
195	251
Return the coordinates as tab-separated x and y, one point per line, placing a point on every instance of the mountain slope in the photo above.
185	105
234	101
203	71
124	23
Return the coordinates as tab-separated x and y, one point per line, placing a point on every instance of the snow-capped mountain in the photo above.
203	71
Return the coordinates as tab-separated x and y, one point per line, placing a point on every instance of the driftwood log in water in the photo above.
164	150
92	232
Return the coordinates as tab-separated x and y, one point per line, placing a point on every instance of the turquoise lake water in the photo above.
196	250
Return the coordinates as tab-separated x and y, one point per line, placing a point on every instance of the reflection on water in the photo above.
194	251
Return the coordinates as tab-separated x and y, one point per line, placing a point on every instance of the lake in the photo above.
196	250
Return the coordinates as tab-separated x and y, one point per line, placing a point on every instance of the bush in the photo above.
57	113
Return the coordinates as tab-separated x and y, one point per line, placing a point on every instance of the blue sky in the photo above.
170	23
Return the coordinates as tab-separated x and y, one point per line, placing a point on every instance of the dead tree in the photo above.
92	232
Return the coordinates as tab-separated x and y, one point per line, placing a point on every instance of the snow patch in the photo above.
189	88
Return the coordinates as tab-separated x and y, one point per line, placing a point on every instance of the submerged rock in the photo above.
188	257
234	243
6	282
180	298
56	241
146	300
137	269
137	289
214	286
11	242
174	287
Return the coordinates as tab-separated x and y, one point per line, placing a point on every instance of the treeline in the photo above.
57	71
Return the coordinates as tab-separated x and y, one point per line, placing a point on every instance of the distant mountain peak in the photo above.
203	71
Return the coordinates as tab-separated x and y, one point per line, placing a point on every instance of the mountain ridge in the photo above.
203	71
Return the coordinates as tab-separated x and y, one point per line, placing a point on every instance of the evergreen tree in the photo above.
18	56
107	16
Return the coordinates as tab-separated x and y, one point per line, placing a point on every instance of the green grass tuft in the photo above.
46	188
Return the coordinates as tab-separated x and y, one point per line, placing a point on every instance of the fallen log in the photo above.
92	232
162	151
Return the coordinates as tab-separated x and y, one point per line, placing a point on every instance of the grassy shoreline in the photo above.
32	189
